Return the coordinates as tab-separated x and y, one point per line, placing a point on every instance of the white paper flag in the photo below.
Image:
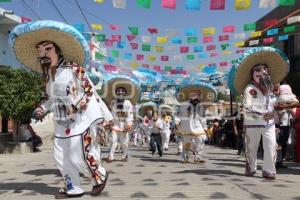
177	58
171	32
120	4
146	39
239	36
267	3
170	48
253	42
293	20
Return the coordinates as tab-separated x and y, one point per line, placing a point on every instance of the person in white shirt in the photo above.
155	128
61	51
166	131
266	66
122	111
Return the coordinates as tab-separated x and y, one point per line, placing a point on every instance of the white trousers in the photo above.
78	154
123	138
252	140
194	144
165	139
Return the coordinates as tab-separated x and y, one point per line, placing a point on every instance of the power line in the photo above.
56	8
84	16
36	15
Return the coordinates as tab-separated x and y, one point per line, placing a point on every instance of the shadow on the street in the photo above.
230	164
227	160
294	171
208	172
18	187
161	160
41	172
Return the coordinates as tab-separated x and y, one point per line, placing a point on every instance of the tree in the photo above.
20	92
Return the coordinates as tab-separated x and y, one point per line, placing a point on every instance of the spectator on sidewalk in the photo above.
27	134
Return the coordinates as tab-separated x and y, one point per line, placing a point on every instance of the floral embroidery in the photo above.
253	93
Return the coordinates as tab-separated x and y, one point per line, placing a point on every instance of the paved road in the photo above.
34	176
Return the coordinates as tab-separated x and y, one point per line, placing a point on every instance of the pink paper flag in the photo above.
268	40
240	51
146	65
229	29
164	58
153	30
171	4
207	39
134	45
212	64
130	37
92	47
217	4
116	38
173	71
223	38
223	64
183	72
184	49
109	42
110	68
114	27
210	47
214	54
156	68
25	19
139	57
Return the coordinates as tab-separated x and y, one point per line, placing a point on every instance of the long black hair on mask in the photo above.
120	104
193	106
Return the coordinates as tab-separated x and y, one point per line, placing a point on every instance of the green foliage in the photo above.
222	96
20	92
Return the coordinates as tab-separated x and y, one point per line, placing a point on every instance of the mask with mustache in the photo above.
120	104
265	82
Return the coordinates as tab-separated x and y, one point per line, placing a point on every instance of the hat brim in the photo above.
166	108
206	94
71	42
111	86
146	106
278	66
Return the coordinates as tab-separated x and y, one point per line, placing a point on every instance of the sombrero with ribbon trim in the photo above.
131	86
240	74
208	92
146	106
166	108
24	38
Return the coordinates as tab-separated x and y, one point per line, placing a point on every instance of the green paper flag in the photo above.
224	46
144	3
289	29
234	61
5	1
287	2
168	68
134	30
249	27
101	37
99	55
146	47
115	53
190	57
192	40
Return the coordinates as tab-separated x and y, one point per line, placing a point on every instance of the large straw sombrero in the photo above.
166	108
240	74
146	106
24	38
130	85
207	91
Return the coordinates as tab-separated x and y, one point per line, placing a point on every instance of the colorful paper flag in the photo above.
209	31
273	31
127	56
139	57
114	27
283	37
214	54
156	68
249	27
228	29
240	51
131	37
223	37
2	1
144	3
121	45
167	68
171	4
224	46
198	49
217	4
116	38
253	42
146	39
176	40
177	58
207	39
210	47
109	43
190	32
242	4
268	40
77	26
98	27
158	49
192	4
293	20
267	3
153	30
99	55
227	52
151	58
287	2
256	34
120	4
99	1
190	57
240	44
184	49
289	29
164	58
161	39
134	45
115	53
146	47
134	30
223	64
192	40
269	23
202	55
146	65
239	36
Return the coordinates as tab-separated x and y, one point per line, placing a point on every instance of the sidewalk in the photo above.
35	176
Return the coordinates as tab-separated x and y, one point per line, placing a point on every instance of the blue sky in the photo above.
161	18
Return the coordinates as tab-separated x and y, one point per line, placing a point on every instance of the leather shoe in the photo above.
268	175
64	195
97	189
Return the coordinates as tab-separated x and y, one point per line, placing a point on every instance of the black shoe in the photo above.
280	165
97	189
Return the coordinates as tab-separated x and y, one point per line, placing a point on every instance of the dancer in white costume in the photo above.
122	111
265	67
61	51
193	124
